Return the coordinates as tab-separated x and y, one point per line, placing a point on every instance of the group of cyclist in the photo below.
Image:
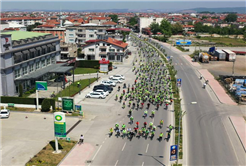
152	86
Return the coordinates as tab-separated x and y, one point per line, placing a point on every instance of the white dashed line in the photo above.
147	148
142	163
123	146
116	162
97	152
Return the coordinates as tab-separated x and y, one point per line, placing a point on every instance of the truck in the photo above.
204	57
230	56
221	55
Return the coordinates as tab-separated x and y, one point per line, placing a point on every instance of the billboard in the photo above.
60	124
41	85
183	42
173	152
67	104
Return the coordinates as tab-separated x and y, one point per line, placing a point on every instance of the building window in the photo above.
118	50
31	67
37	65
48	61
43	51
71	30
91	36
43	63
53	60
91	49
17	73
39	53
118	57
111	50
111	57
80	30
32	54
71	40
100	30
108	44
71	35
91	30
24	70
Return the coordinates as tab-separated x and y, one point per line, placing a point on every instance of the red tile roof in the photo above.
109	23
110	41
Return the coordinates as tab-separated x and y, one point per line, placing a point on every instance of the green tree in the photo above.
20	90
31	27
177	28
232	17
198	27
244	36
45	107
114	18
166	28
133	21
154	27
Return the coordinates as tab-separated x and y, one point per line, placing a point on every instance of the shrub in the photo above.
20	90
45	106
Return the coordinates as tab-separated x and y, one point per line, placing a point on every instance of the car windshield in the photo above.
4	112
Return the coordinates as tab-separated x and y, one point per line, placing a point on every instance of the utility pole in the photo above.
233	67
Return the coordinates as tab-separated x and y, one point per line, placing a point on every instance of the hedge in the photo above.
90	64
23	100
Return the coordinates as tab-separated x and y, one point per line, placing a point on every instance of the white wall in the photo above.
144	22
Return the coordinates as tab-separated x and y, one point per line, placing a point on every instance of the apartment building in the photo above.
25	58
81	34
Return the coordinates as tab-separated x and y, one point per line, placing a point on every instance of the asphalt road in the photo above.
210	140
138	151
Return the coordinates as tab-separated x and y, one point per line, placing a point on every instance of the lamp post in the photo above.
89	82
233	67
97	76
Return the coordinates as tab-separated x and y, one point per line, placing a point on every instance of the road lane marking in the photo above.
116	162
147	148
142	163
97	152
123	146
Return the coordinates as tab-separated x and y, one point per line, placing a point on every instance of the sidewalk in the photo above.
78	155
240	127
217	88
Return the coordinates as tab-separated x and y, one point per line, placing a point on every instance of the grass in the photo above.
225	41
46	158
182	49
72	89
80	70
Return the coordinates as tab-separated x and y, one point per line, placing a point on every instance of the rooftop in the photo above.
18	35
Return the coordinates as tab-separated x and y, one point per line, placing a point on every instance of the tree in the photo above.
232	17
177	28
20	90
31	27
165	27
133	21
45	107
154	27
244	36
198	27
114	18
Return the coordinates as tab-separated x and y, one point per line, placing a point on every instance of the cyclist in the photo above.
161	135
154	127
137	123
116	126
130	112
111	130
131	119
145	124
123	126
145	113
152	113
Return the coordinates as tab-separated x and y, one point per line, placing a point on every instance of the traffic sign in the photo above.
173	152
179	80
67	104
41	85
183	42
60	124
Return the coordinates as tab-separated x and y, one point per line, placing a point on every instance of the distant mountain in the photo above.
216	10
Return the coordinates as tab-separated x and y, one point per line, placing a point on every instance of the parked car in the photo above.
97	95
114	67
102	91
108	82
4	113
116	80
103	87
117	76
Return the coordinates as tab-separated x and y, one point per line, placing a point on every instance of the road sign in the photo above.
183	42
41	85
79	108
179	80
173	152
67	104
60	124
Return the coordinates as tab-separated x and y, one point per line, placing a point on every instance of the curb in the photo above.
237	134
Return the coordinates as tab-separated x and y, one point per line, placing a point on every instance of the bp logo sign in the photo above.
58	117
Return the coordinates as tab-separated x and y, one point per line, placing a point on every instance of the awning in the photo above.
54	68
18	53
44	46
38	48
25	52
32	50
54	44
49	45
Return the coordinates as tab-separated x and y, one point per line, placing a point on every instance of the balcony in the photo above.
80	33
102	53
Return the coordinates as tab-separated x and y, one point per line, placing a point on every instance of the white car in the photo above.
117	76
108	82
97	95
4	113
116	80
102	92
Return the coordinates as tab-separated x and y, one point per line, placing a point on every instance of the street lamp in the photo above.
97	76
89	82
233	67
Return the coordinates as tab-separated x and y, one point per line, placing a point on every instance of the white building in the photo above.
145	22
110	48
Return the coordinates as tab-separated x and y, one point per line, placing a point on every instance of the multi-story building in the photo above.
84	32
23	20
59	32
25	58
144	22
112	49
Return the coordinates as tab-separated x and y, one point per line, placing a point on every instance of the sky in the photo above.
117	4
